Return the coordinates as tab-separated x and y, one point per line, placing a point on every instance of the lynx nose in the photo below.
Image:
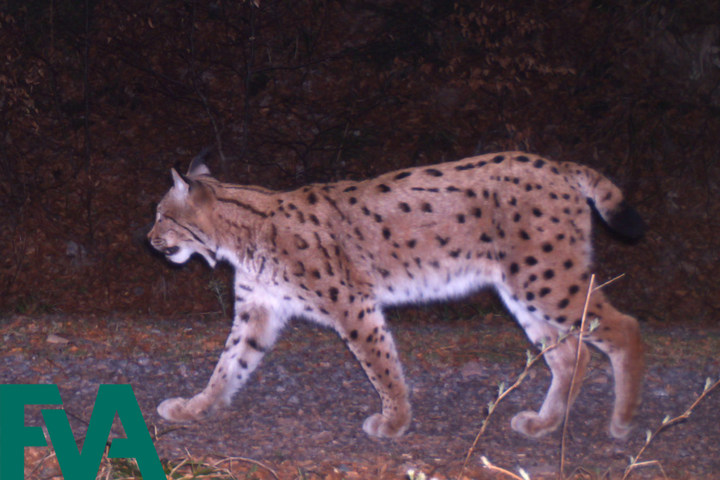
156	242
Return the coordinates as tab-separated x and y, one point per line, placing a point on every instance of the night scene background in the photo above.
99	99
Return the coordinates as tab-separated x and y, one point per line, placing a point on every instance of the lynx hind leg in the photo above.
371	342
562	360
254	331
618	336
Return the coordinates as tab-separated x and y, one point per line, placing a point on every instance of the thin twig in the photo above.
251	461
249	65
578	354
203	97
608	282
503	393
487	464
667	422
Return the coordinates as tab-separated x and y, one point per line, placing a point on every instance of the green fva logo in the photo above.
111	399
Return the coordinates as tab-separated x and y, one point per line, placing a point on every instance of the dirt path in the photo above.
304	406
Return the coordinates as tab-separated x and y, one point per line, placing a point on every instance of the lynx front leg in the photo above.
254	331
373	345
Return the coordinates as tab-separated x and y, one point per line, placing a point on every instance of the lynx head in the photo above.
183	223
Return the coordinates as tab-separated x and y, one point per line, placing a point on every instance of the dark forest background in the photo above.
100	98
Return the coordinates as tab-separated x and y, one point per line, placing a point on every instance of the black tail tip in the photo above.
627	221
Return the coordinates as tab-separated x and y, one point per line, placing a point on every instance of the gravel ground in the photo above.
305	404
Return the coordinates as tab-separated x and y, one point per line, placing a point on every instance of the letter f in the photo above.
14	435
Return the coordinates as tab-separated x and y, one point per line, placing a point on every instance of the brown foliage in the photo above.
97	106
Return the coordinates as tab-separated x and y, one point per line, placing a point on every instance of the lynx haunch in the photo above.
339	253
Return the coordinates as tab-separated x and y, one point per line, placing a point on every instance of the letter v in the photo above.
85	465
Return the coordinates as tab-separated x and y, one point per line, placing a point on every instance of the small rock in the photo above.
57	339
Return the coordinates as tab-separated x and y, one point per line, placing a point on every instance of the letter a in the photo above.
137	445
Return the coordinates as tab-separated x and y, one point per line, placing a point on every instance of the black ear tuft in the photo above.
627	221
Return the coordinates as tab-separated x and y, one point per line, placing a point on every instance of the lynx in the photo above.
338	253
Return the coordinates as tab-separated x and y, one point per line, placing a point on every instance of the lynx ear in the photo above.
197	166
182	187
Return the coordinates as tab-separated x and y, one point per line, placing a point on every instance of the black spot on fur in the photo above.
252	343
301	243
402	175
384	188
426	207
442	241
404	207
531	261
434	172
548	274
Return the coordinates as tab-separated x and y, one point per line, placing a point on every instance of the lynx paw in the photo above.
620	430
532	425
180	410
380	426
